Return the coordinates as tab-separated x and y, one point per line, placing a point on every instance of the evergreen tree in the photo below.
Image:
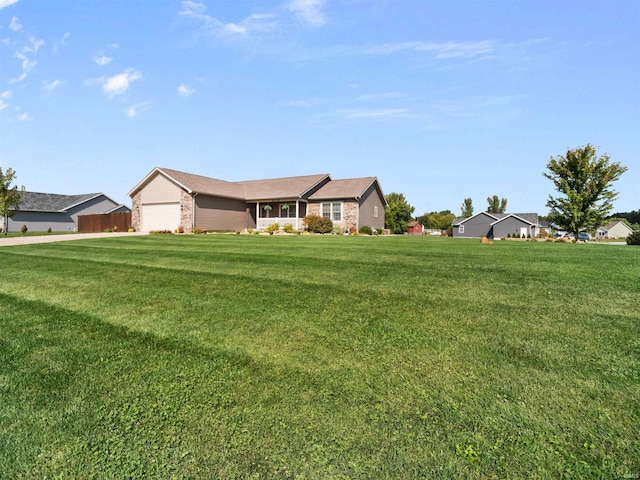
467	208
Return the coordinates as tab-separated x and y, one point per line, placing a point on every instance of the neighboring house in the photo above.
614	230
43	211
415	228
166	199
496	225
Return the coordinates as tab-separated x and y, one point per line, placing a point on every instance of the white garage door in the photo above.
160	216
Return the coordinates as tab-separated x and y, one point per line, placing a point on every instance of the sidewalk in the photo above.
9	241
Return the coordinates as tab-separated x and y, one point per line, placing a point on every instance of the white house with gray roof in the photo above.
43	211
167	199
615	229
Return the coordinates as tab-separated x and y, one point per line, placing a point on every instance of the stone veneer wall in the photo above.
186	211
135	212
349	214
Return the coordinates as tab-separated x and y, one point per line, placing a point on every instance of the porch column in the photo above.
258	215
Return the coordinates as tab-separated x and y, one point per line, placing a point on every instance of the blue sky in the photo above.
441	100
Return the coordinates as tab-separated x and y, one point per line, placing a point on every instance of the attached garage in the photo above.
160	216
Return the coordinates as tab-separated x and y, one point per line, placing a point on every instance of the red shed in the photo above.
415	228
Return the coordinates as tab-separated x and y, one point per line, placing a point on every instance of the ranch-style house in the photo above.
167	199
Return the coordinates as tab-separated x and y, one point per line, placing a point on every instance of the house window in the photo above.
332	210
288	211
375	211
461	229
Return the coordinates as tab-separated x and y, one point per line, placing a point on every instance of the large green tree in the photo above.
467	208
495	205
398	213
440	220
9	196
584	182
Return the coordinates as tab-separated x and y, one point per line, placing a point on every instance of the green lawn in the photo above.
227	356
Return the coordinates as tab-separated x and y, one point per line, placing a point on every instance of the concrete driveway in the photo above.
10	241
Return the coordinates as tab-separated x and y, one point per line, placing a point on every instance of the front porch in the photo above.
281	212
296	223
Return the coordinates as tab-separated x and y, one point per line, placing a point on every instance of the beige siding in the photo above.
368	203
160	190
213	213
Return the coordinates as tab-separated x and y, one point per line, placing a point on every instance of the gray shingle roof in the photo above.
349	188
206	185
289	187
51	202
269	189
527	217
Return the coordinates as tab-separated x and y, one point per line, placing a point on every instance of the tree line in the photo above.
583	182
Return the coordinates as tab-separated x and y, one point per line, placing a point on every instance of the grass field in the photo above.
226	356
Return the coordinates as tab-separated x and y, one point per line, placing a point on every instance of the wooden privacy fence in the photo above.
102	221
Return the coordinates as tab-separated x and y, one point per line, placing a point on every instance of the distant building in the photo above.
43	211
614	230
415	228
496	225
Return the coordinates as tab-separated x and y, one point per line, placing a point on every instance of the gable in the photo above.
352	188
160	189
477	219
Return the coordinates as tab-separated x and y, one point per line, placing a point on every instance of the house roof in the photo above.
531	218
280	188
460	220
613	224
413	223
52	202
199	184
267	189
349	188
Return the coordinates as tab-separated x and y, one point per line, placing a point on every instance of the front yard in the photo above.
227	356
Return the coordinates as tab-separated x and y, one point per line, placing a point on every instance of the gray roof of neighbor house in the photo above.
527	217
268	189
52	202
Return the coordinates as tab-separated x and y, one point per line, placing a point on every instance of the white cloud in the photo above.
15	25
377	114
61	41
6	3
309	11
192	8
256	23
27	66
50	86
35	45
6	95
440	50
133	110
24	117
119	84
102	60
185	90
